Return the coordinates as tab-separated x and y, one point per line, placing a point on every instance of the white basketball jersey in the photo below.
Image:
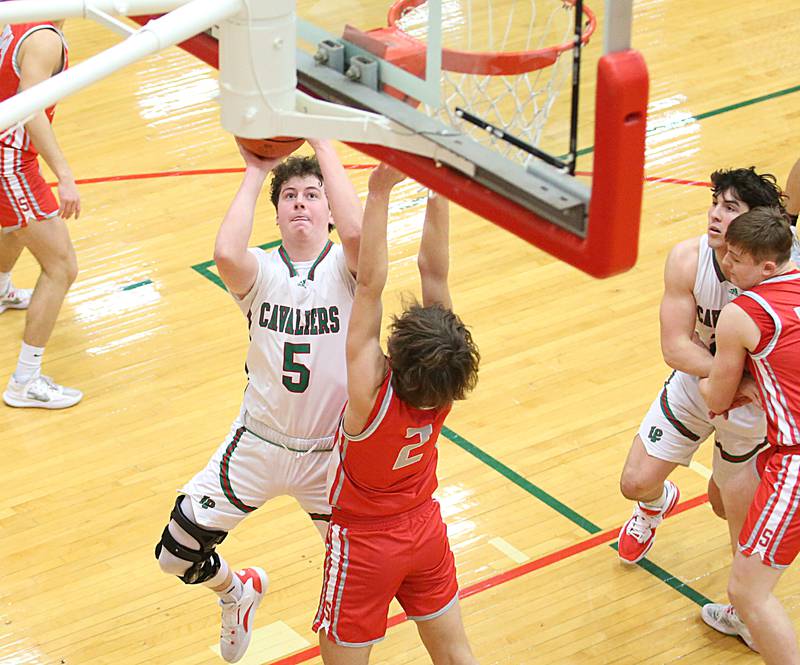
795	249
296	368
711	293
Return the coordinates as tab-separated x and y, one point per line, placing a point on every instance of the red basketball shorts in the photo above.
370	562
772	527
24	195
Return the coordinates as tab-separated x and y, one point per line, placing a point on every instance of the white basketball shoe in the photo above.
15	299
40	392
724	619
237	616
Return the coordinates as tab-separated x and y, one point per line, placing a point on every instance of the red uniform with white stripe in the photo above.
772	528
24	194
386	538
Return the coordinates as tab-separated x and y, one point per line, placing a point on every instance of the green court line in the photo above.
520	481
203	268
130	287
669	579
654	131
516	478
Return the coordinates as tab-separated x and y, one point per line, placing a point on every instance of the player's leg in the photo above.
364	565
445	639
10	297
669	435
308	485
769	542
337	654
50	244
644	474
715	498
234	483
429	593
750	590
736	497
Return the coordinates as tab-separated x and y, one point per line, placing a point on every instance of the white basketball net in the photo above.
519	104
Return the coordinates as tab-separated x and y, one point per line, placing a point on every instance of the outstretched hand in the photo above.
384	177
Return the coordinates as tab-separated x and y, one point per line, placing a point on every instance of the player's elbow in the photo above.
715	402
431	269
226	256
671	354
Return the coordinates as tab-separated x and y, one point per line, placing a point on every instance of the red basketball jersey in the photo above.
390	467
774	305
10	41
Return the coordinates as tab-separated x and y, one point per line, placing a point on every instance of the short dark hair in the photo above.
288	169
764	233
752	188
433	358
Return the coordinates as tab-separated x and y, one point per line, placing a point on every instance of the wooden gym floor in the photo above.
530	464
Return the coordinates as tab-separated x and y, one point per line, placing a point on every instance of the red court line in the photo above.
672	181
513	573
178	174
351	167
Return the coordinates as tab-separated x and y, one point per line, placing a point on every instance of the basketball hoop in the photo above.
493	62
511	84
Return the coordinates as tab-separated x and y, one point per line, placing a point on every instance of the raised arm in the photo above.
237	267
366	364
345	204
40	57
679	311
434	253
736	333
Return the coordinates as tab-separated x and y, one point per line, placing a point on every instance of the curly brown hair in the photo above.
432	355
288	169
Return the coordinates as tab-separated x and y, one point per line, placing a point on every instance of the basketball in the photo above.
277	146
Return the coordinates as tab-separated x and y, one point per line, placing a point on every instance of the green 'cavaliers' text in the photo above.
293	321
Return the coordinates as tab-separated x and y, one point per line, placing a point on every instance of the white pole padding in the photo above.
26	11
167	30
257	66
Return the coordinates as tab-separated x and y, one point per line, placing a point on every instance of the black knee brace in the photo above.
205	561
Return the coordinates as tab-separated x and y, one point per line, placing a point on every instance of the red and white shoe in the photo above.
15	299
237	616
636	537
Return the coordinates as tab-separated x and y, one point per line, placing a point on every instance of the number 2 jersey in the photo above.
390	468
297	315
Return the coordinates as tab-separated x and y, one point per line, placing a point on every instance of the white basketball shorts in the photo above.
678	422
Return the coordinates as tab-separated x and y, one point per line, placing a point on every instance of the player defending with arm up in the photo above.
386	529
761	328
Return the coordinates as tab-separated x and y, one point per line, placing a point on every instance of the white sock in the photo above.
234	590
29	364
658	504
5	282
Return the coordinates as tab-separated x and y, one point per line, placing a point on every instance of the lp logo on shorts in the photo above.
655	434
207	502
